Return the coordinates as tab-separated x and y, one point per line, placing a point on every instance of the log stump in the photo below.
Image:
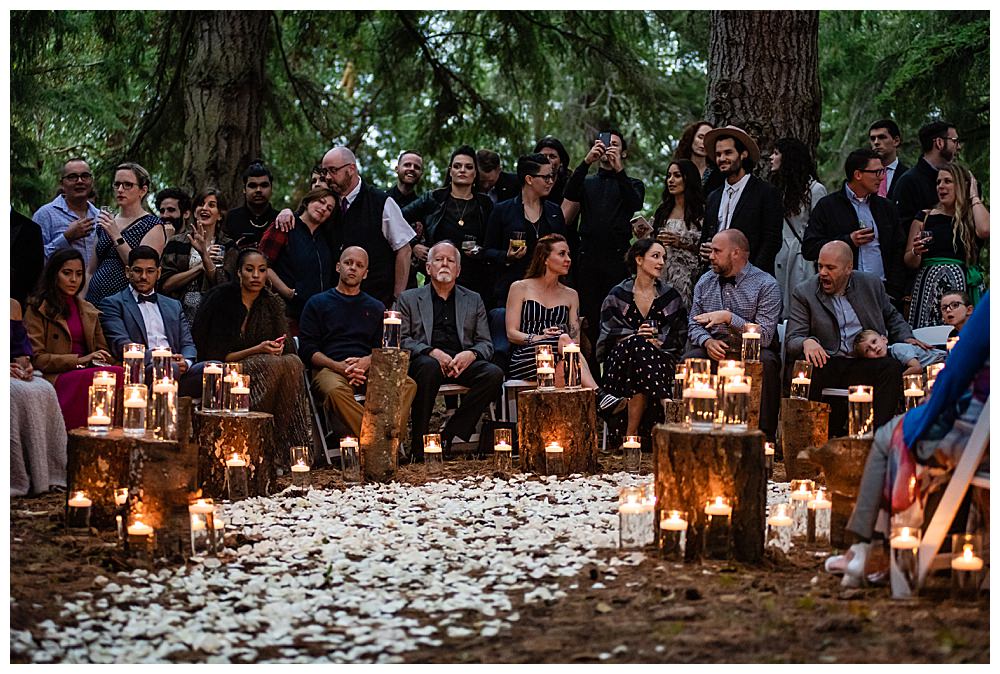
843	462
690	468
568	417
804	424
383	408
250	435
754	370
673	411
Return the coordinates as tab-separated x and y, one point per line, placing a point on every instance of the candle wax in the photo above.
235	462
139	529
860	397
502	447
699	393
801	380
718	509
201	508
300	468
135	403
212	369
239	390
635	508
737	388
80	501
780	521
392	321
673	524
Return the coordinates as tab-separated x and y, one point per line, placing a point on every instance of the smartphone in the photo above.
605	137
281	340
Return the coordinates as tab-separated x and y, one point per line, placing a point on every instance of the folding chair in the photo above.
935	335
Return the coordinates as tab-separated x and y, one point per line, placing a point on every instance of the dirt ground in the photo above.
782	611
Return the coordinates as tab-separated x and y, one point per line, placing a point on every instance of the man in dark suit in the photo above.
863	220
744	202
140	315
444	328
885	139
495	183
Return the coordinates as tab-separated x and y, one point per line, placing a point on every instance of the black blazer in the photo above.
507	187
508	217
834	218
758	214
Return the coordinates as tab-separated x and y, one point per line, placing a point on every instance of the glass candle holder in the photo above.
203	509
78	511
632	447
301	476
903	544
163	360
433	455
555	461
932	371
819	510
718	530
350	460
730	368
860	413
801	379
163	410
99	405
230	372
134	404
680	376
239	394
736	403
141	538
751	342
700	401
913	390
769	459
635	529
696	366
966	566
801	494
392	325
134	361
545	370
237	478
211	386
503	450
121	497
219	529
106	379
673	534
571	366
779	527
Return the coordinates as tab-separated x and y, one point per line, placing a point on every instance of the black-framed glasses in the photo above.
951	306
74	177
879	172
954	139
327	171
547	177
123	185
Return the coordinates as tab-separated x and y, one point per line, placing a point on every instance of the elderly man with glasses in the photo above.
68	220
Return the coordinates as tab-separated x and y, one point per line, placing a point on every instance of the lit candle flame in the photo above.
905	532
78	494
718	501
967	551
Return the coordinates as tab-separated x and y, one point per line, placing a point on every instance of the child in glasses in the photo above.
955	310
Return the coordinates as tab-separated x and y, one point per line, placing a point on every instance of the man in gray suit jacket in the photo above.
827	313
445	330
140	315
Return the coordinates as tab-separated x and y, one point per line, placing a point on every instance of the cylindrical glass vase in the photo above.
134	413
860	413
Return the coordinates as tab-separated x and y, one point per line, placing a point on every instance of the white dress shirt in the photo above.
730	197
156	332
395	228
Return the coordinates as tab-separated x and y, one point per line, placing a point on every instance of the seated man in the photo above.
338	330
828	312
727	297
139	315
444	328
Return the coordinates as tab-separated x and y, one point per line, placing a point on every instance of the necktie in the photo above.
883	187
344	205
727	279
151	297
729	205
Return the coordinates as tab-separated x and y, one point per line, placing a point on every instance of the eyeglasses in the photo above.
325	171
955	140
952	306
879	172
74	177
547	177
123	185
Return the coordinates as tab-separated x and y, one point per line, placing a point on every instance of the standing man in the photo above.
246	224
885	139
370	219
409	169
174	206
605	203
68	220
445	330
744	202
498	185
863	220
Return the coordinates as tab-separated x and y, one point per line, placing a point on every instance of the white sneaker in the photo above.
854	573
836	564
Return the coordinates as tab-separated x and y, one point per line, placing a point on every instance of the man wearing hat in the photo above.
744	202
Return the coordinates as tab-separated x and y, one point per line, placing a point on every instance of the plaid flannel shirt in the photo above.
755	297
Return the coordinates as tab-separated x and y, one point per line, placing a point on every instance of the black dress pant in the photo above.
885	375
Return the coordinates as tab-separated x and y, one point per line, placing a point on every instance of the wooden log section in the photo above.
383	409
249	435
690	468
568	417
843	462
754	370
804	424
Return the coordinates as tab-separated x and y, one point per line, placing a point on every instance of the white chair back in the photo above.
935	335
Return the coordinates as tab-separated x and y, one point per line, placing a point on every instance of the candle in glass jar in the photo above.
79	500
860	396
553	447
139	528
104	378
731	368
165	386
968	561
300	468
571	348
718	507
99	418
134	401
161	353
905	540
801	379
201	507
780	518
212	369
502	446
235	461
673	521
121	496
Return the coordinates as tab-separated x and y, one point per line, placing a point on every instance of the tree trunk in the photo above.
223	91
804	424
843	462
763	75
251	436
568	417
380	422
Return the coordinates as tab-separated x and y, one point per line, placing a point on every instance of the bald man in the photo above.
827	313
727	297
369	218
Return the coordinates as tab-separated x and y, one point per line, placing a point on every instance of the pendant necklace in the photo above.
461	217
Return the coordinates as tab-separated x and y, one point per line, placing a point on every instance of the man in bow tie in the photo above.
139	315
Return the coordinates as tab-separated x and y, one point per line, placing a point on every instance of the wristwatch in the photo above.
120	240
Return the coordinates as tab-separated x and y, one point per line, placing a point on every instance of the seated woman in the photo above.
643	329
66	336
196	261
541	310
244	321
936	431
37	433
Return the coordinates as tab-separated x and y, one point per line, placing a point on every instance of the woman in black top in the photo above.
558	157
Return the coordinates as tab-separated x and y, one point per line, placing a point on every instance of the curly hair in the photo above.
964	228
793	176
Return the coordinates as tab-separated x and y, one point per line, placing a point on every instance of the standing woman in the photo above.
66	336
244	321
458	212
677	226
944	245
692	146
196	260
119	234
558	157
793	173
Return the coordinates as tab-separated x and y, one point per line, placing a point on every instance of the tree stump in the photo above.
251	436
673	411
804	424
690	468
568	417
843	462
163	476
754	370
383	407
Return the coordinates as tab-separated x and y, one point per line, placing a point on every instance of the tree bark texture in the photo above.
804	424
223	94
249	435
691	468
568	417
843	462
763	74
383	407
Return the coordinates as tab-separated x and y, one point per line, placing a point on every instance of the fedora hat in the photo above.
735	132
